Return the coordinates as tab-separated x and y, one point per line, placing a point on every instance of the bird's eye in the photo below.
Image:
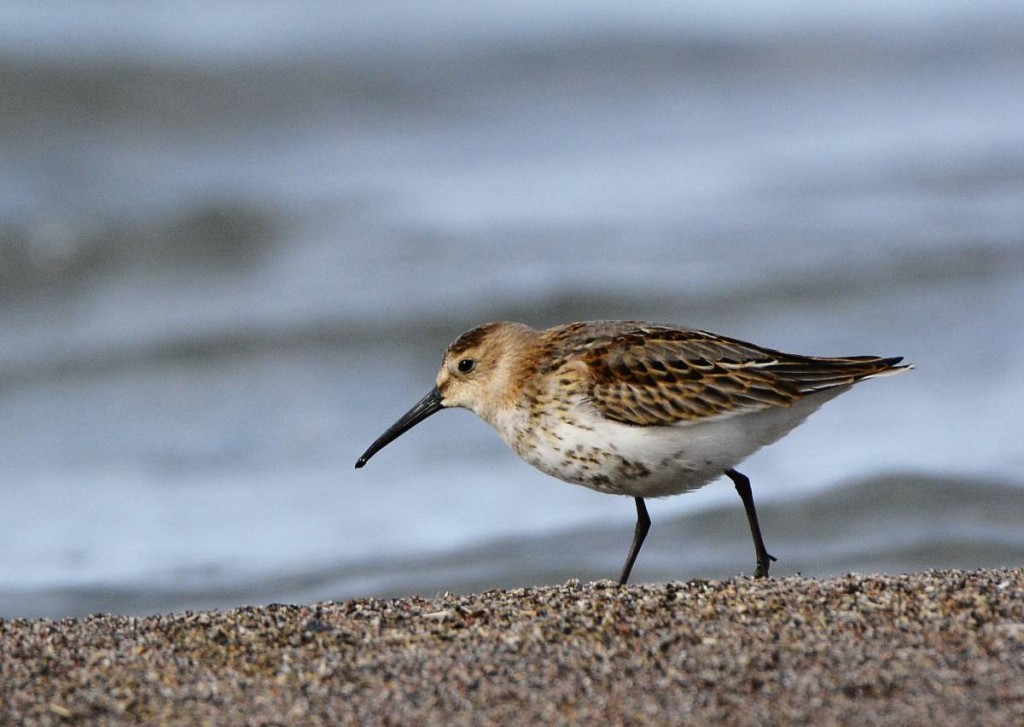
466	365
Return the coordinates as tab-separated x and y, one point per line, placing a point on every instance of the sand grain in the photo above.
914	649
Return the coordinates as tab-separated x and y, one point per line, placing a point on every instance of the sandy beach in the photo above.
878	649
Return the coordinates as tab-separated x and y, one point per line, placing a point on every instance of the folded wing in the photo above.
653	375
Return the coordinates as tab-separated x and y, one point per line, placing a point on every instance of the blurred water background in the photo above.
236	237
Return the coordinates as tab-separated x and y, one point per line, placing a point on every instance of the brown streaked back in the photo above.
649	375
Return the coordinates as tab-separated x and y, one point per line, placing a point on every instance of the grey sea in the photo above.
236	237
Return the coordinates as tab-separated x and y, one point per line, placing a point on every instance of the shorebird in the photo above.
636	409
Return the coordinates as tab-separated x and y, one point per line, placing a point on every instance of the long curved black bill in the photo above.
429	404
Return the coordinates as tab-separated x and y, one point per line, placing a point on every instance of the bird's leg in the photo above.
643	524
743	487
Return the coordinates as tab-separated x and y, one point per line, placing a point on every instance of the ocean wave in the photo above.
225	240
893	523
55	255
356	77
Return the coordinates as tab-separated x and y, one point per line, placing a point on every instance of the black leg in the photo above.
643	524
743	487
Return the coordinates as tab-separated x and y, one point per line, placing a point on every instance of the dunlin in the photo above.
631	408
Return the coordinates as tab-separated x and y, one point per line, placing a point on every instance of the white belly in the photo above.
651	461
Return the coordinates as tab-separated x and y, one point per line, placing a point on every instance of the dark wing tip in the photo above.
895	365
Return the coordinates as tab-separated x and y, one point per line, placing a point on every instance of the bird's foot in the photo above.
762	566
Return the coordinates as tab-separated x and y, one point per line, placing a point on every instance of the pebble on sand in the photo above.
883	649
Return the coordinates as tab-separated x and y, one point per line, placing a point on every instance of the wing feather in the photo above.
661	375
